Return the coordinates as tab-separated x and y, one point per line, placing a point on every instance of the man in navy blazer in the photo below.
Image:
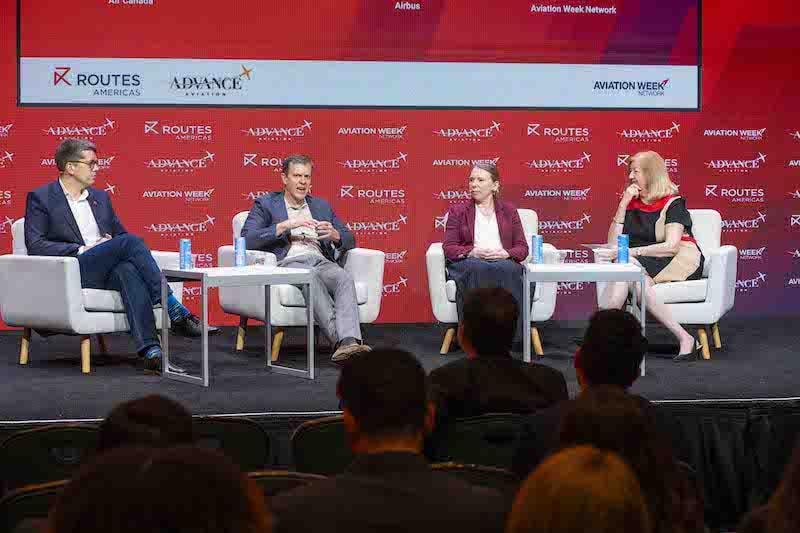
304	232
68	217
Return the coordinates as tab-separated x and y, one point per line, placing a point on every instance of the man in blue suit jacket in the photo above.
304	232
69	218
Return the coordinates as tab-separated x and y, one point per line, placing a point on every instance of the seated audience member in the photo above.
580	489
489	379
610	354
781	514
609	418
152	420
154	490
389	486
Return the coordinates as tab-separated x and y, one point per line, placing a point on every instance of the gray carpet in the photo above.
759	360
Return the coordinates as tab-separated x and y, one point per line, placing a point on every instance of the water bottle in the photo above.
622	248
186	254
240	252
537	253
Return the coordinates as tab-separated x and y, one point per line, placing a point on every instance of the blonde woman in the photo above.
659	226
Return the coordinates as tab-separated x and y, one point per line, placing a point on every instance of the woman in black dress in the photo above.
659	226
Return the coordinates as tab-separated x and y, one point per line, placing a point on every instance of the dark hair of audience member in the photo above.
152	490
490	320
578	490
152	420
612	349
385	390
610	419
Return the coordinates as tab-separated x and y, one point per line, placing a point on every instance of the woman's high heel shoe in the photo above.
694	355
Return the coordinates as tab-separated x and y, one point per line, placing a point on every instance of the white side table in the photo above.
589	272
255	275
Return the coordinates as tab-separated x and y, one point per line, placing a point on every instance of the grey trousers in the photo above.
335	304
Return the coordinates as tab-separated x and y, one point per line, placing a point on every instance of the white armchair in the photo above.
443	291
287	305
704	301
38	292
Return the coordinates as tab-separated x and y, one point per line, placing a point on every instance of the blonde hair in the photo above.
654	170
577	490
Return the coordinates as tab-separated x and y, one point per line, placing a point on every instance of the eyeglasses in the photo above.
91	164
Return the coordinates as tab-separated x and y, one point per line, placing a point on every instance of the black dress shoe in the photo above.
694	355
190	326
154	364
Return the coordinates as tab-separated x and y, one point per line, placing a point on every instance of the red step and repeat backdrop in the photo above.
193	105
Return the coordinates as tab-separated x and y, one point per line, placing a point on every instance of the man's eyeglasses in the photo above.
91	164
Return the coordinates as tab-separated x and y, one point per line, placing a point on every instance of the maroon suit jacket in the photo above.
459	234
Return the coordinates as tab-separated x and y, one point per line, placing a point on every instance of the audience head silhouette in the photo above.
488	323
384	398
151	490
153	420
580	489
612	350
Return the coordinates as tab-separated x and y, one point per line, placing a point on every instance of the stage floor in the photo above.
758	361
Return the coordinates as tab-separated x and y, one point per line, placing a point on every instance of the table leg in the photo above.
164	326
204	299
267	325
310	329
643	315
526	316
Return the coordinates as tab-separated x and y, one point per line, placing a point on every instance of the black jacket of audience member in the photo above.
392	491
495	384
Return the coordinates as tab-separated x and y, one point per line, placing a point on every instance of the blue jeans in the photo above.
125	264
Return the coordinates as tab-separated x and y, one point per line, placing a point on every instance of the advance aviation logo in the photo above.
740	166
795	135
395	288
373	227
650	136
202	85
6	158
375	166
560	134
181	165
279	133
562	227
5	225
5	131
560	165
748	285
85	132
181	229
744	225
469	134
452	195
180	132
572	287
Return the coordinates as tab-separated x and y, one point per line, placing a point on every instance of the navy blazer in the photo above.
270	210
50	227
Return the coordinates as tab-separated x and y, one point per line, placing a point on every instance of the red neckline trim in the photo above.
658	205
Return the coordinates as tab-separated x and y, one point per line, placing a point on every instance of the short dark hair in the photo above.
152	420
386	391
70	150
149	490
612	349
489	318
295	159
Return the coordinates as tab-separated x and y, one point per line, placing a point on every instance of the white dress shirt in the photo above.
84	217
310	240
487	234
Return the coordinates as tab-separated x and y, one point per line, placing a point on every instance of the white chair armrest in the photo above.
40	291
722	278
437	279
366	266
226	256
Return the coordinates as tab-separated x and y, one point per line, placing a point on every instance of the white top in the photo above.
310	242
82	212
487	234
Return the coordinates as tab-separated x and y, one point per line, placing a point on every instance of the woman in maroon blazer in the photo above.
483	241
